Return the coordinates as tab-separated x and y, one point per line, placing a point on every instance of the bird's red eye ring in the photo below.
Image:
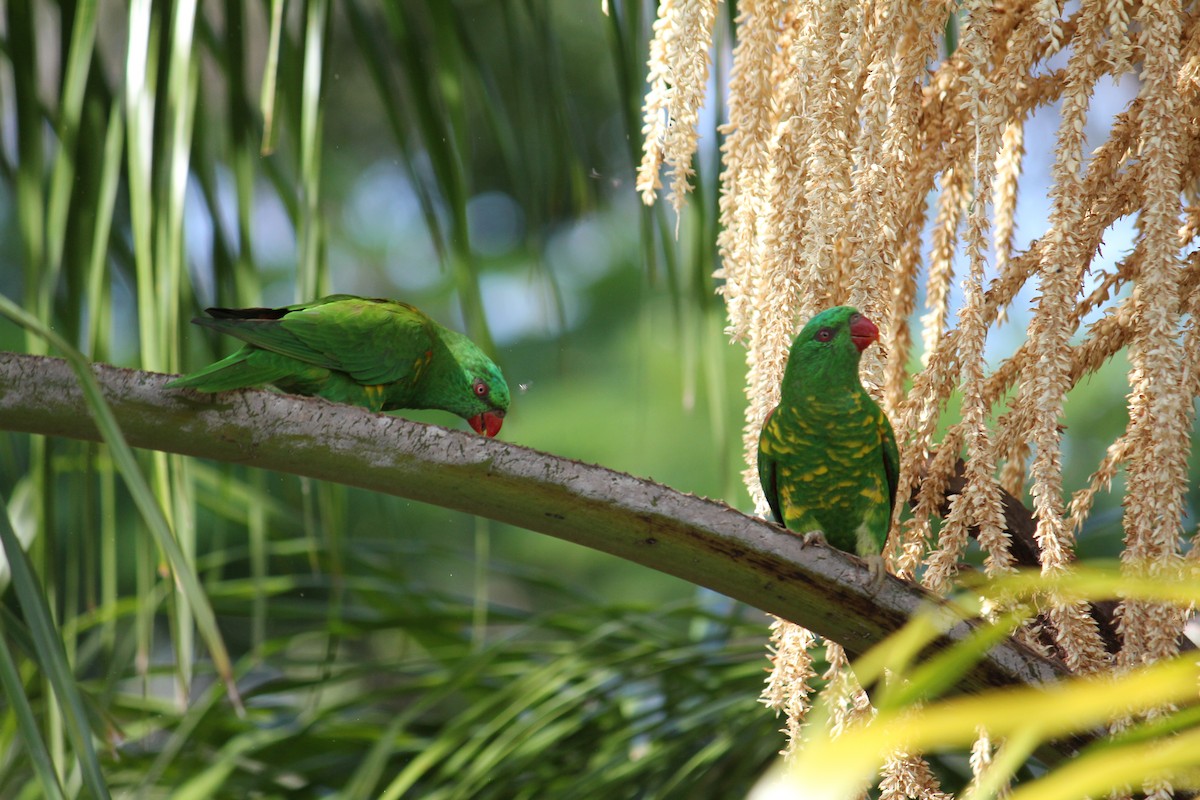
480	388
825	334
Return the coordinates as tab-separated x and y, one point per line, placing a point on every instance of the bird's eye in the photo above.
825	334
480	388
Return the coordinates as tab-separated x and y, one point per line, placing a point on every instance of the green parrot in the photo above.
381	354
827	456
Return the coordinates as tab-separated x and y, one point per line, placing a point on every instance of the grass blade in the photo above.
27	725
271	78
52	659
185	576
312	280
62	179
98	287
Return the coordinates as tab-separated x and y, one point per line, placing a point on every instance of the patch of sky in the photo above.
11	269
496	224
524	306
274	237
382	225
1192	248
382	222
123	344
198	232
1035	208
381	206
273	245
580	253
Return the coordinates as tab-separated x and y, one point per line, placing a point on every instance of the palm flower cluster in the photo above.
864	157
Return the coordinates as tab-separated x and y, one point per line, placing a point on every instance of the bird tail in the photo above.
266	314
238	371
242	313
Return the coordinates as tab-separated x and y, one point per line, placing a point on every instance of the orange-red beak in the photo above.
488	423
863	332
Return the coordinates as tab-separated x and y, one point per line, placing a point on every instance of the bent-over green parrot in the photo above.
827	456
381	354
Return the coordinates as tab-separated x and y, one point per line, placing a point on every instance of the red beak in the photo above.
488	423
863	332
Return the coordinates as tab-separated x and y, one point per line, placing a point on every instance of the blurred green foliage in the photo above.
475	158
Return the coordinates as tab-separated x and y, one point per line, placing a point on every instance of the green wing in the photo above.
247	367
374	341
891	460
768	474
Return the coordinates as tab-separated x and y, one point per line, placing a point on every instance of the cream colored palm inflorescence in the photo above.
851	134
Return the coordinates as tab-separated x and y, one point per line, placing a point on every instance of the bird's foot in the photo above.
877	569
813	536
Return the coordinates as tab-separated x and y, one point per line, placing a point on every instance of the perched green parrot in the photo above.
381	354
827	456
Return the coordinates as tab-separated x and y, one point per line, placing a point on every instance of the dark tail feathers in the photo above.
246	313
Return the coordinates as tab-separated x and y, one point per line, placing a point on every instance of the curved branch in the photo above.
702	541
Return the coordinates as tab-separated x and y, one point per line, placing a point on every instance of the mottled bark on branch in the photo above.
702	541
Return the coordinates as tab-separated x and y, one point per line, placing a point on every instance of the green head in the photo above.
829	348
470	385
